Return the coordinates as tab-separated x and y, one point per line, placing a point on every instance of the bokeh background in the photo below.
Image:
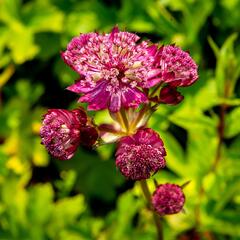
86	198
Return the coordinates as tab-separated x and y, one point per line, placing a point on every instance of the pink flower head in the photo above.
178	69
60	131
168	199
140	155
113	68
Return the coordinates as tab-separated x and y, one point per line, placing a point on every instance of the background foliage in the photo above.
86	197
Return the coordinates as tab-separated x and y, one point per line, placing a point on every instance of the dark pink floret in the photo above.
170	95
140	155
60	132
113	69
177	68
168	199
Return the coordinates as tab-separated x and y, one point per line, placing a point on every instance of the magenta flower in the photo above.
168	199
113	69
60	131
140	155
178	69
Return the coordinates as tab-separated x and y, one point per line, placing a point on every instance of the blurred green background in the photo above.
87	198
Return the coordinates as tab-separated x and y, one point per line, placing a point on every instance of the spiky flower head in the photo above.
113	69
60	131
168	199
140	155
177	67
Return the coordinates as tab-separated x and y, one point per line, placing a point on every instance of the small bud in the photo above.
168	199
89	136
170	95
140	155
60	132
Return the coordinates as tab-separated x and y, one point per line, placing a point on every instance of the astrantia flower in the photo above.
168	199
60	131
140	155
178	69
113	68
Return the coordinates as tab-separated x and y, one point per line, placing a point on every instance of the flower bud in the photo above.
140	155
168	199
60	132
170	95
89	136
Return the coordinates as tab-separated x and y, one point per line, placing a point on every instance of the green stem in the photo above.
124	118
156	217
220	129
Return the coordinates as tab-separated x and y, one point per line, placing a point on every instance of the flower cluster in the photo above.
130	78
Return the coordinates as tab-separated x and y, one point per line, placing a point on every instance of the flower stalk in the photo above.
156	217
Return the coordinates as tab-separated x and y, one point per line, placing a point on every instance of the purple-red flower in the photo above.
63	131
170	95
168	199
140	155
177	68
113	69
60	132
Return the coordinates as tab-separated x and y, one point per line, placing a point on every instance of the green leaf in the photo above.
76	22
41	16
232	126
229	192
40	204
201	151
96	178
190	117
222	226
119	223
9	10
65	213
175	158
207	96
227	69
21	44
